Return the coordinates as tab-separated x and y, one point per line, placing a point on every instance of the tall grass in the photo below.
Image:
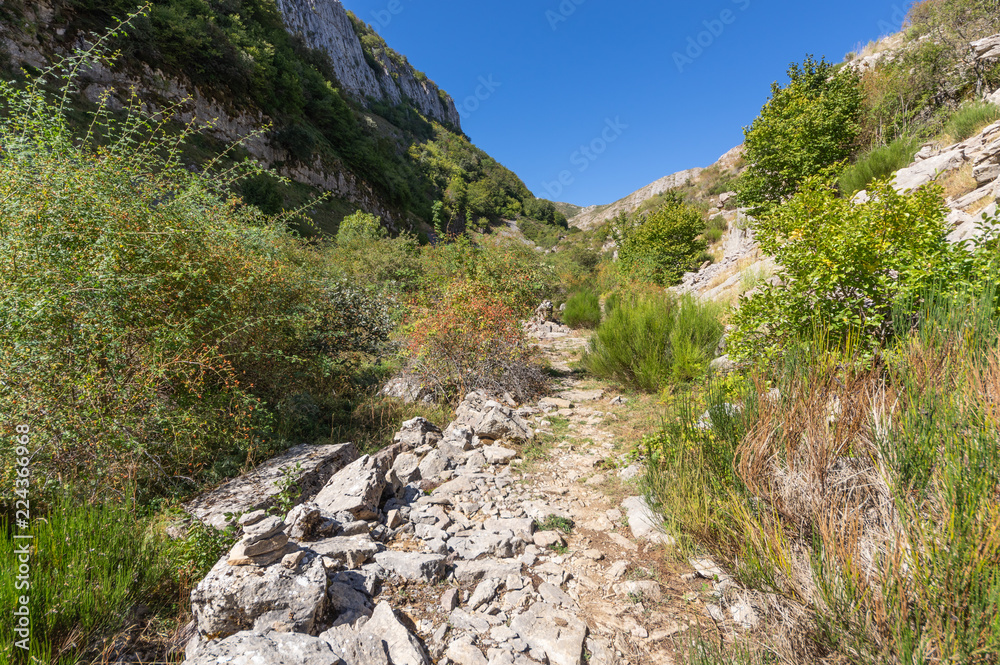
583	310
92	571
970	119
649	340
878	164
861	498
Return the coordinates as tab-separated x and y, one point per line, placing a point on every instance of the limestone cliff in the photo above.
326	25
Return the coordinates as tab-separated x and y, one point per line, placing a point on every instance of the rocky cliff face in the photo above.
325	25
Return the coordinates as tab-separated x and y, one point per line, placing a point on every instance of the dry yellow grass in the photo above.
958	183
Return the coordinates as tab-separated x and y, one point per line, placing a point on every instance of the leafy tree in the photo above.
360	226
846	269
805	127
663	245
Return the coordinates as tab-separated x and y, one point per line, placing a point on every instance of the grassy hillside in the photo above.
239	53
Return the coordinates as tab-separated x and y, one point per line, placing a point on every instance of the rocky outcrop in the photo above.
308	467
325	25
593	216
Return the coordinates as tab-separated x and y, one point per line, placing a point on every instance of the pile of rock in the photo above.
542	325
436	507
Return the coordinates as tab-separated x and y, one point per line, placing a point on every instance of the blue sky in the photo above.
611	96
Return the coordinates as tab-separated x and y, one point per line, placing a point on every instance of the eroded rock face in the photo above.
325	25
237	598
258	489
257	648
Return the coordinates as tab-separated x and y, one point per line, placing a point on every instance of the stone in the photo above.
413	566
468	572
554	403
523	528
593	554
236	598
630	472
356	648
708	569
305	522
406	470
723	365
616	570
474	623
310	467
986	172
346	603
644	523
553	595
484	594
548	539
919	174
744	615
491	420
498	454
393	519
403	647
433	465
647	589
480	543
582	395
252	518
464	653
263	557
556	633
292	561
274	648
346	551
417	432
407	388
987	48
355	528
262	529
449	600
356	489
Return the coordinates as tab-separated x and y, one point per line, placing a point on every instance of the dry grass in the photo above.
958	182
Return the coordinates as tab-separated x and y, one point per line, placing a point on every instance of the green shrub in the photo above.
845	267
661	246
649	340
360	226
970	119
583	310
879	164
806	127
152	323
92	569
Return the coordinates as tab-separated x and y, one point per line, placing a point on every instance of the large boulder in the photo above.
490	419
987	48
257	648
418	432
403	647
310	467
355	489
236	598
413	566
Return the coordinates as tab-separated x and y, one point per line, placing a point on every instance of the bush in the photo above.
845	267
360	226
468	338
583	310
806	126
649	340
970	119
878	164
660	247
152	322
93	569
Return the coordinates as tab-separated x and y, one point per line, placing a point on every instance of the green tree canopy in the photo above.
804	128
662	246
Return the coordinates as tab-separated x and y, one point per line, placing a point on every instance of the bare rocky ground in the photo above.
514	536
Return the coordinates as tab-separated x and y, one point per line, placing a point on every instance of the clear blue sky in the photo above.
563	72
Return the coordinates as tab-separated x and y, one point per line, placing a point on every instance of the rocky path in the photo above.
514	536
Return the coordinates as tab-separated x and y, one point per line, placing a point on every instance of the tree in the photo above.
806	126
663	245
360	226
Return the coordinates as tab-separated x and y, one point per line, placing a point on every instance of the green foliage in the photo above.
263	191
90	570
556	523
970	119
661	246
583	310
807	126
844	267
878	164
151	321
360	227
651	340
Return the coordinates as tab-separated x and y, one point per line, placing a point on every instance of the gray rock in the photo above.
642	589
987	48
255	648
643	522
498	454
467	572
555	596
418	432
356	648
347	604
406	469
473	623
548	539
263	556
347	552
523	528
484	594
258	547
919	174
252	518
355	528
464	653
413	566
305	522
449	600
480	543
258	489
556	633
262	529
231	599
475	461
582	395
356	489
433	465
403	648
